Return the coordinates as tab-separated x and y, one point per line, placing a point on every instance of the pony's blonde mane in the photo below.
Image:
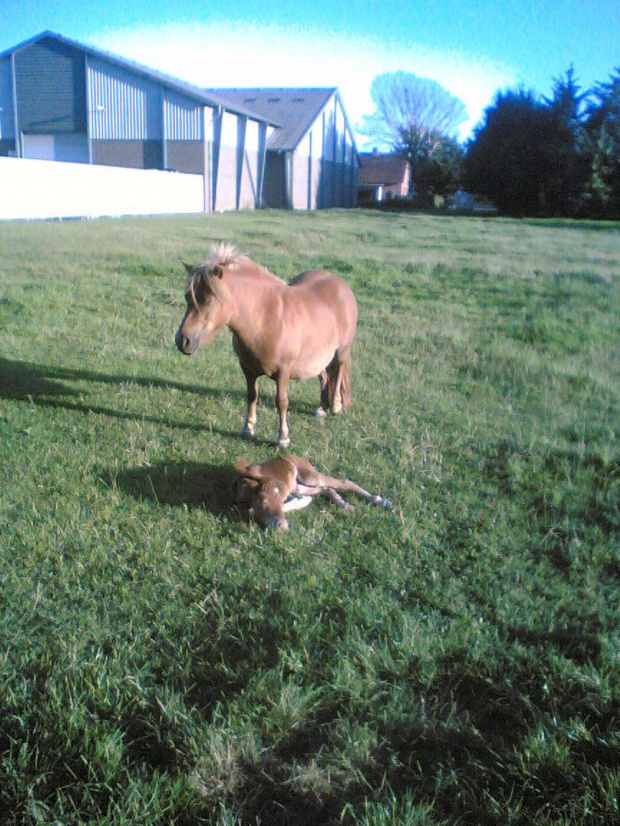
222	255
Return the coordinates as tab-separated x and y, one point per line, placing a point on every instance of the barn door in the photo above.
38	147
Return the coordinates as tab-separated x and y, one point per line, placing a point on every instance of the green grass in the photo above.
457	660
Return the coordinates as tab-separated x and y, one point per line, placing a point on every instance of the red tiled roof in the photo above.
382	169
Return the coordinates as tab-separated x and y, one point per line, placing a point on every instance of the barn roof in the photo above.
196	92
293	110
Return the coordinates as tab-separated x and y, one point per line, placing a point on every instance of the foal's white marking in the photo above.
296	503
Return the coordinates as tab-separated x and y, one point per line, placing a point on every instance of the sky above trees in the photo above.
472	49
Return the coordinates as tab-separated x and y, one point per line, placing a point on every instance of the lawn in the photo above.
453	661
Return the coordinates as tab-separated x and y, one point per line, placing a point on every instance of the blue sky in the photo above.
472	47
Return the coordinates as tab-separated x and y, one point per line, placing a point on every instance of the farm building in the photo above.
383	176
311	160
63	101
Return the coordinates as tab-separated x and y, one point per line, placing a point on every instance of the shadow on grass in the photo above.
47	386
24	380
578	641
180	484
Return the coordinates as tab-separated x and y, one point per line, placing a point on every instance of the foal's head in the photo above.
207	298
263	496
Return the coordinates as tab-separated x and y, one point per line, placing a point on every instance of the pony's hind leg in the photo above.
324	384
339	372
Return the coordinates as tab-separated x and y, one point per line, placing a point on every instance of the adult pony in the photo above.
285	331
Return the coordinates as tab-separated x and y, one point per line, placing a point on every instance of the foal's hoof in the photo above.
246	432
284	442
320	412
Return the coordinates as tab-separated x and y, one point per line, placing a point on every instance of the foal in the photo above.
266	489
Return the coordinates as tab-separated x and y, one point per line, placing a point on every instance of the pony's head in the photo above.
207	298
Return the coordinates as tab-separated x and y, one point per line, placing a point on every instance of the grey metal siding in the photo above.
7	124
182	118
50	87
124	106
274	181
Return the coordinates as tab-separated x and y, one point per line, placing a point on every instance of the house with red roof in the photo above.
382	176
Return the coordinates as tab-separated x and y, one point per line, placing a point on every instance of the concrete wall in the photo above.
46	189
238	162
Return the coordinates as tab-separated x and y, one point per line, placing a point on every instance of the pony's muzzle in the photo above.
184	343
277	523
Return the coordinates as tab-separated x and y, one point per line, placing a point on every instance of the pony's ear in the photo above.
188	267
217	271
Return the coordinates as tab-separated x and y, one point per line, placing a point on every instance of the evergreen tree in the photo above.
603	146
528	154
569	166
504	160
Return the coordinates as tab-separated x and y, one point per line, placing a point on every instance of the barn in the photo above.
63	101
311	159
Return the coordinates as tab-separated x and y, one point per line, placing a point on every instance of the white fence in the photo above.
49	189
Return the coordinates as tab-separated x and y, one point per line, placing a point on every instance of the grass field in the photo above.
456	660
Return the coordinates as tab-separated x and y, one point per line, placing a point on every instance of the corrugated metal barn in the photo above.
63	101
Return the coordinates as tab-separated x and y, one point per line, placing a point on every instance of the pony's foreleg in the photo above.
282	380
248	429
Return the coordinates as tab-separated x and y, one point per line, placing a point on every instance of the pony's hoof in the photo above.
246	432
320	412
284	442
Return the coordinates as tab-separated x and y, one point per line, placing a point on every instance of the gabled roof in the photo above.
293	110
196	92
386	170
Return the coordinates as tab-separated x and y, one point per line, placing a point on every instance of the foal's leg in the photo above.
247	431
350	487
282	380
321	489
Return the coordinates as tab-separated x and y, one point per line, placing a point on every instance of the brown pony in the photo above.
285	331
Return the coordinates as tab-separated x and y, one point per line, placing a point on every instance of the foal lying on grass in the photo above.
289	483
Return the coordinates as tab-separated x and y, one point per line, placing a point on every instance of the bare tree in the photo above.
407	103
414	115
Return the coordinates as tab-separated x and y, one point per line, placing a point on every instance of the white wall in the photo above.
47	189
